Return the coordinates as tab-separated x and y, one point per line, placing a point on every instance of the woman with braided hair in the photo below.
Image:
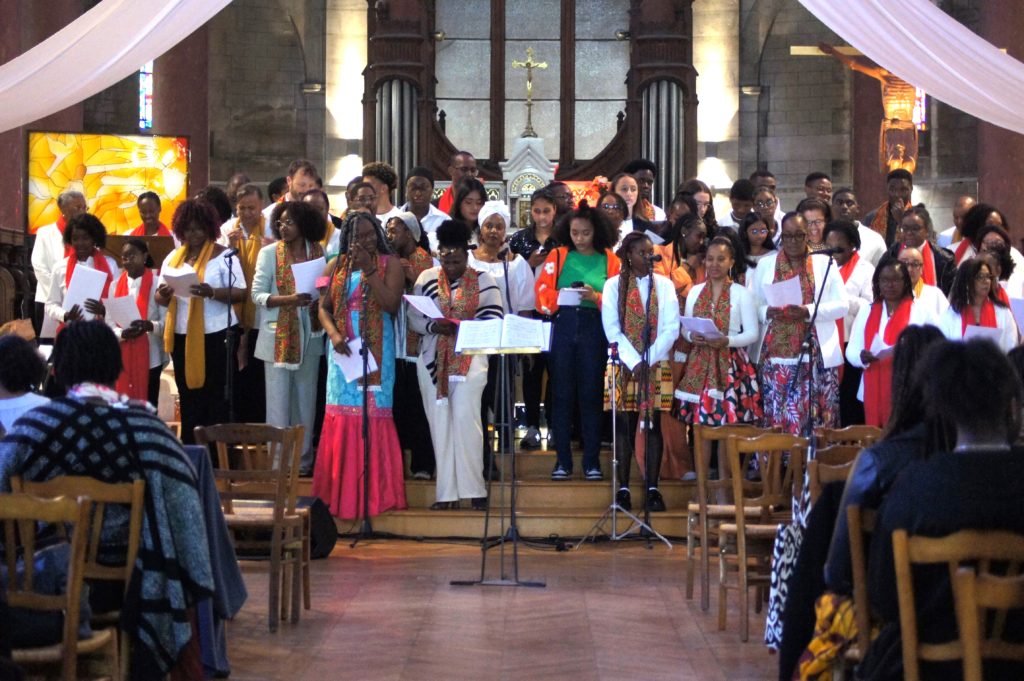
363	294
623	316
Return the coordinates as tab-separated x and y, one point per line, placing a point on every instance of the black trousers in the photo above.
626	436
534	367
205	405
153	393
411	419
851	410
488	415
251	386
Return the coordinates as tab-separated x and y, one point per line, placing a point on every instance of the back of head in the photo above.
908	404
218	198
605	235
742	190
454	234
21	366
86	352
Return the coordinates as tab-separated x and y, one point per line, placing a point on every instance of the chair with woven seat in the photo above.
100	495
861	436
707	508
975	593
973	547
20	516
746	544
257	479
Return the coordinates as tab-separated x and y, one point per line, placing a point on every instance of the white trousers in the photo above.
456	432
291	399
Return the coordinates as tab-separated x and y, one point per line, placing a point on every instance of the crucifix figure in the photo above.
529	65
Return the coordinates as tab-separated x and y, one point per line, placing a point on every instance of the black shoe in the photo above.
623	500
655	504
444	506
479	504
492	474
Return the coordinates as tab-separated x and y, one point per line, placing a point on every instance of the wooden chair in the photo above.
707	509
100	494
974	594
861	523
20	515
837	455
982	547
748	545
862	436
820	474
257	479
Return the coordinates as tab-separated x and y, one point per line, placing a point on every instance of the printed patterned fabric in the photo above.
740	401
628	390
288	337
460	304
345	297
788	408
420	261
707	368
834	629
783	337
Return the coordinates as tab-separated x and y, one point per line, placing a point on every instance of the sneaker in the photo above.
421	475
593	474
623	500
560	472
690	477
530	441
655	504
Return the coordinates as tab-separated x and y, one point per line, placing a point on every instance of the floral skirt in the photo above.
628	395
739	402
788	408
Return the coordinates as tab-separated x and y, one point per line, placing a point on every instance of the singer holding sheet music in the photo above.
624	318
86	236
365	290
452	385
579	349
973	302
142	343
196	327
785	388
290	341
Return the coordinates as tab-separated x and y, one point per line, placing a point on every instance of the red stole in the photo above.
141	231
1001	294
878	374
845	271
988	315
98	263
961	251
444	203
134	379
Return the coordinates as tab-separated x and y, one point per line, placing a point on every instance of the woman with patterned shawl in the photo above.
290	343
623	316
452	384
96	432
363	293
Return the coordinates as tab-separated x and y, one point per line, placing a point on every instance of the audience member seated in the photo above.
96	432
972	481
21	372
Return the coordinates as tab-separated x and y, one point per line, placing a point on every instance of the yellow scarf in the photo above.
195	336
248	250
918	287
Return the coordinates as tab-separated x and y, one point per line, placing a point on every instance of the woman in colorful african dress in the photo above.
365	290
623	317
788	399
720	384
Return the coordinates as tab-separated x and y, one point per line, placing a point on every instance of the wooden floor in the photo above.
385	610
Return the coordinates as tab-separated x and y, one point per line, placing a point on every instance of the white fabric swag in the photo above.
106	44
926	47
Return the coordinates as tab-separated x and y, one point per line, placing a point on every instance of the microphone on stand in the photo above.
653	257
230	253
828	251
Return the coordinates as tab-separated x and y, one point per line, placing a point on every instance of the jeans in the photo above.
579	352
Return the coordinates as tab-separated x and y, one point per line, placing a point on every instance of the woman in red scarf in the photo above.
87	237
973	303
142	344
149	207
875	332
994	241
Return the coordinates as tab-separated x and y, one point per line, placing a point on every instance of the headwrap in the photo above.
412	223
495	208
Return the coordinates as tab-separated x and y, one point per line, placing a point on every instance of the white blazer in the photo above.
833	305
668	319
858	291
920	315
951	325
743	325
872	244
47	252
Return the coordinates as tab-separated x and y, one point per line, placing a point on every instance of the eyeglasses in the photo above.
910	265
764	204
816	223
287	222
758	232
794	238
611	206
983	277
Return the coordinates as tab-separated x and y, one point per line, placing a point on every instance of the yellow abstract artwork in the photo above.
110	170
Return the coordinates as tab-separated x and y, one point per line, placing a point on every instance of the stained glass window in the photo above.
146	96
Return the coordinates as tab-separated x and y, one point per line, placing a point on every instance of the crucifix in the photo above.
529	65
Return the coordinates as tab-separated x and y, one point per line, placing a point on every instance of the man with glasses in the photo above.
846	207
419	187
461	166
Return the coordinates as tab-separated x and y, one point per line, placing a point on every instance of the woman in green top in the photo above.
579	349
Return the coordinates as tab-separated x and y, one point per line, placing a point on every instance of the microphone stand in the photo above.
366	527
229	342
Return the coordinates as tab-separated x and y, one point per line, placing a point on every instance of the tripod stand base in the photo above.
496	582
644	530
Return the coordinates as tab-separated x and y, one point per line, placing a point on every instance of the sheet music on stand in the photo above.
510	335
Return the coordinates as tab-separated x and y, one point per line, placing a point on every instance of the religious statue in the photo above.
898	139
529	65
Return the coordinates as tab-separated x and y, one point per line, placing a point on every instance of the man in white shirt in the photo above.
951	236
644	172
48	250
845	207
384	180
419	187
302	176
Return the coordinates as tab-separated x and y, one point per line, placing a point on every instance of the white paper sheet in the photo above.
1017	307
352	366
522	333
879	349
546	346
700	325
181	279
783	293
988	332
425	305
655	239
478	334
570	297
86	283
306	274
122	311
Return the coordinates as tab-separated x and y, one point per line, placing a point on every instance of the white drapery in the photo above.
106	44
929	49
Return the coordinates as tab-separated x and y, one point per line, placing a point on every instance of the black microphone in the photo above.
653	257
503	253
829	251
231	252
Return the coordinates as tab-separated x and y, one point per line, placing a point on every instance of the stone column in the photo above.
868	176
1001	152
181	101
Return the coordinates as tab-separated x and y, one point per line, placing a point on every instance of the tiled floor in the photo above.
385	610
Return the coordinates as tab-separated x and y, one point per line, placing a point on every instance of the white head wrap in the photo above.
411	222
495	208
